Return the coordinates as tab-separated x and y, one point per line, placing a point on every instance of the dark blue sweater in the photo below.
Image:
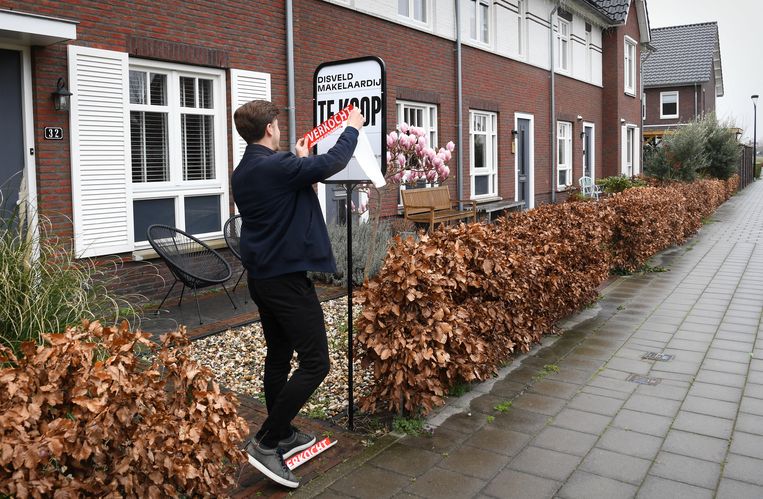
282	228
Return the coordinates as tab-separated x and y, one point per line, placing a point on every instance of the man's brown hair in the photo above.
252	119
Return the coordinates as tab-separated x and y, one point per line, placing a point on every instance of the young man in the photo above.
283	235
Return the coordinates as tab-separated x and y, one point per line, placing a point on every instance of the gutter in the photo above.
459	111
552	115
291	109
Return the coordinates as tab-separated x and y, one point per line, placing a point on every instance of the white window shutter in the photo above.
245	86
100	150
623	150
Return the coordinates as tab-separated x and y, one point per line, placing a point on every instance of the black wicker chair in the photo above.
232	235
191	262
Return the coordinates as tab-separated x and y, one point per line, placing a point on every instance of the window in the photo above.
177	134
563	45
668	105
643	106
479	20
483	142
630	66
564	154
423	116
521	26
413	9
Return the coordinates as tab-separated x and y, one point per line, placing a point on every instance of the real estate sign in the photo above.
360	83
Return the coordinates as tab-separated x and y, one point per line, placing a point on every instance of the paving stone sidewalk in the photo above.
658	394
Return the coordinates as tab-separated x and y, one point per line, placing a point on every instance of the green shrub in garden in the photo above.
704	147
361	245
618	183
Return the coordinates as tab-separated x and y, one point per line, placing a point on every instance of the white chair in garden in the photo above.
588	187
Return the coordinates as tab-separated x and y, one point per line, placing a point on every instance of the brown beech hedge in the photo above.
80	416
456	304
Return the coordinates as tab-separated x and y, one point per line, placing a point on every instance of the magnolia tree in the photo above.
410	159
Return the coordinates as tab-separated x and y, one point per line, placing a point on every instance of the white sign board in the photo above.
362	83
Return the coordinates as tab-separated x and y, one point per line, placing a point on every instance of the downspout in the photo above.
553	104
290	74
459	111
695	102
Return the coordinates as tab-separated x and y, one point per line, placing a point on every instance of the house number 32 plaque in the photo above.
54	133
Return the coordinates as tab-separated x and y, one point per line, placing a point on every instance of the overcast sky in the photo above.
741	40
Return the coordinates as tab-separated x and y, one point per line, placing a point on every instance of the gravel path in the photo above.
237	357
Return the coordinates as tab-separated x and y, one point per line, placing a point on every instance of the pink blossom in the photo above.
404	127
389	156
451	146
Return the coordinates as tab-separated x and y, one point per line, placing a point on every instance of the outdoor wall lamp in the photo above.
62	96
622	120
580	118
514	141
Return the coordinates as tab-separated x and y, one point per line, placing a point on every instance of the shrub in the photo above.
361	245
79	417
721	148
452	306
704	147
44	287
618	183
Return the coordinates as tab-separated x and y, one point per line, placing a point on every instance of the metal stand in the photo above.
350	398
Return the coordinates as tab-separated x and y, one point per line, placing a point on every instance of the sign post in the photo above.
360	83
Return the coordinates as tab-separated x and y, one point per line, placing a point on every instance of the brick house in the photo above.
149	137
682	77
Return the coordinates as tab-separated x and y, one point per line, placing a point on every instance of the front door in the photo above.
11	130
588	170
523	161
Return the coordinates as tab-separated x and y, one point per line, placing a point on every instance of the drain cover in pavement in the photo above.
663	357
643	380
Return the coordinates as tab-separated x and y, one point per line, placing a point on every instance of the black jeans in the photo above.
292	320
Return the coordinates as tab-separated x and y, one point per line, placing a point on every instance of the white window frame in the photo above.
429	112
476	13
491	153
176	188
410	16
662	100
629	66
563	46
522	29
564	140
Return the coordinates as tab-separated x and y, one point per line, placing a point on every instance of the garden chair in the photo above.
232	235
190	260
589	188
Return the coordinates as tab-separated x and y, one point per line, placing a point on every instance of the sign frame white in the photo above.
371	102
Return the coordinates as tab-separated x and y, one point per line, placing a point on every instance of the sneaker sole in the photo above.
299	449
265	471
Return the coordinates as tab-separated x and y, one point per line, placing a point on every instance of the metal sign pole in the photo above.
350	407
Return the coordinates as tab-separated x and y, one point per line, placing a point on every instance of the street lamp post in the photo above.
754	130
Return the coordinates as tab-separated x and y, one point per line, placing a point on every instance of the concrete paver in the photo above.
594	429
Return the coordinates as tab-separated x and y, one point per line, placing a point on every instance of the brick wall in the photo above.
686	104
251	36
617	104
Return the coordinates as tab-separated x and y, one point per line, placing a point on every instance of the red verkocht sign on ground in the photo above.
309	453
328	126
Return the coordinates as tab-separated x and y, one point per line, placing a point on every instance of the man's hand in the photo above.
356	119
301	148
